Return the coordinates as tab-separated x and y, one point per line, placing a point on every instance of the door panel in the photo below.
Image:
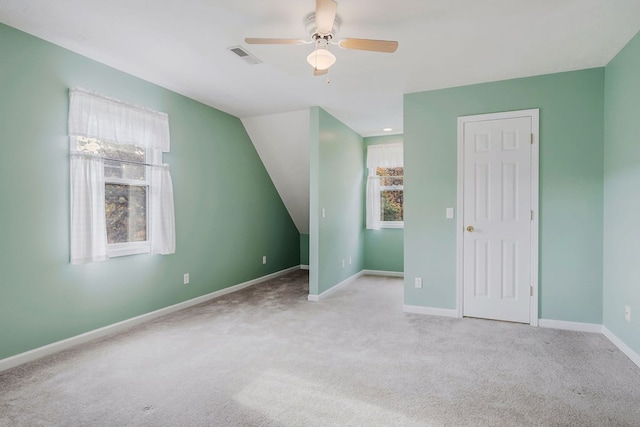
497	206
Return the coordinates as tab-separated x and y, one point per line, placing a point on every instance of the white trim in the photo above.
304	267
534	114
334	289
130	248
391	224
383	273
628	351
570	326
37	353
431	311
535	207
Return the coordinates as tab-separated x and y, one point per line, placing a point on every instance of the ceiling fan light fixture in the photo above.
321	59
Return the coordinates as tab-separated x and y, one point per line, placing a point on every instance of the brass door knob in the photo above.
470	228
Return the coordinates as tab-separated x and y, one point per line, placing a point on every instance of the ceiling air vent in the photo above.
246	56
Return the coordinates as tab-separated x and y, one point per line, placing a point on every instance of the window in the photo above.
121	193
391	190
126	189
385	186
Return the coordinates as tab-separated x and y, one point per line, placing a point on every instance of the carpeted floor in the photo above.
267	356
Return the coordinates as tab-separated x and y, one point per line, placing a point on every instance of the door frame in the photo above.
534	114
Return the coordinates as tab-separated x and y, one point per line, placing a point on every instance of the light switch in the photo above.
323	213
449	213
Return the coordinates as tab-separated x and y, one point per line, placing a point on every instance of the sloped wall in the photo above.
228	213
282	141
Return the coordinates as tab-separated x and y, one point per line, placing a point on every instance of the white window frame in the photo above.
381	188
142	247
133	248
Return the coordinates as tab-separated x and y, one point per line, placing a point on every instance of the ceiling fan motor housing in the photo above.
310	26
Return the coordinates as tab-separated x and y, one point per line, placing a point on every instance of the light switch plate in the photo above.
449	213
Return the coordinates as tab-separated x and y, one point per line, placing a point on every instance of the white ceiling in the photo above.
182	45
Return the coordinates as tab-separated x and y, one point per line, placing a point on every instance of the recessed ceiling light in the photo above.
387	130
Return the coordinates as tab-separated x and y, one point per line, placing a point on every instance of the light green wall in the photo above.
228	213
622	194
571	179
383	249
336	186
304	249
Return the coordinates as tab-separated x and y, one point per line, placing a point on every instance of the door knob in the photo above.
470	228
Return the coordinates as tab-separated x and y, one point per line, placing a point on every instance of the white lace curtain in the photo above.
379	156
95	116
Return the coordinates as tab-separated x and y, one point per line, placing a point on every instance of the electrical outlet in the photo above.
418	282
264	259
627	313
186	278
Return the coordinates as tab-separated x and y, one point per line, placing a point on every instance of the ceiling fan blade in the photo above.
387	46
250	40
317	72
325	15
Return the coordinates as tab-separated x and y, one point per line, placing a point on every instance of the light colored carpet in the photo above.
267	356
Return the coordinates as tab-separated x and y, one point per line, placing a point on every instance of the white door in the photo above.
497	219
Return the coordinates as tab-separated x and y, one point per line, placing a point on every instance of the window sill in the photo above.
124	249
392	224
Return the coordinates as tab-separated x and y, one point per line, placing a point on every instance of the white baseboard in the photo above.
336	288
570	326
304	267
37	353
431	311
628	351
383	273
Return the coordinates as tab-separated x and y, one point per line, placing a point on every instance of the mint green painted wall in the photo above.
222	234
314	200
383	249
622	194
304	249
336	185
571	181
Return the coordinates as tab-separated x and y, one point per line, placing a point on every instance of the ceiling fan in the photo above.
321	25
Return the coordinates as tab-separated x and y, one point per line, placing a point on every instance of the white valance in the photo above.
385	156
92	115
